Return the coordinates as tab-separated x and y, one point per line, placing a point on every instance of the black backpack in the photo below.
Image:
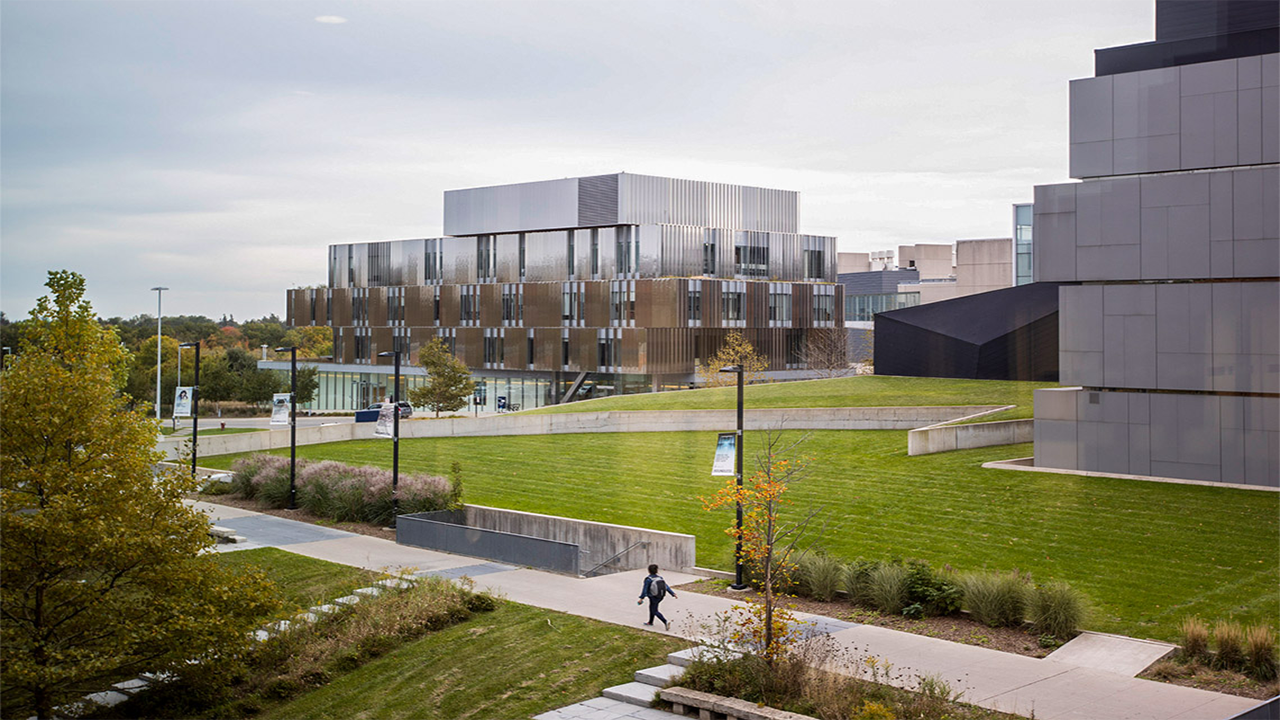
657	587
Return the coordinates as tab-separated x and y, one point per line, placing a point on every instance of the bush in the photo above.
935	592
339	492
1057	609
887	587
1195	637
857	581
1260	647
1229	638
995	599
820	576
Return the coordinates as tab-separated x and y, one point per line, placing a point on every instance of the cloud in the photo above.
331	19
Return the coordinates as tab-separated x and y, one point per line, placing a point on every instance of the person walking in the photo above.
655	588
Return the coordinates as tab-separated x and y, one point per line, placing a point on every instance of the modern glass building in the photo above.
580	287
1023	225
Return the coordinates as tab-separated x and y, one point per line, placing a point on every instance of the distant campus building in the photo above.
1170	245
578	287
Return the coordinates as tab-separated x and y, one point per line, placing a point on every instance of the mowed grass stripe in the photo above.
861	391
1147	553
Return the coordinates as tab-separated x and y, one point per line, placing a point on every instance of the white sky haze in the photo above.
218	148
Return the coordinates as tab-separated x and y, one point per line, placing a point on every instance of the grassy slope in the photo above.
515	662
863	391
302	581
1147	553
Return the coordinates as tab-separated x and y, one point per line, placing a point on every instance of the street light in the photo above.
159	296
395	436
175	414
737	473
293	423
195	408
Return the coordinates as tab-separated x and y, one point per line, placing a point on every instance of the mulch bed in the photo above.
1202	677
956	628
299	515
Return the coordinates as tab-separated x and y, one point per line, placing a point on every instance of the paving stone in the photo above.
660	675
109	698
348	600
131	686
261	635
397	583
281	626
636	693
308	617
369	591
324	609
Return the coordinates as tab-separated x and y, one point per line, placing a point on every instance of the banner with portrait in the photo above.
182	401
280	409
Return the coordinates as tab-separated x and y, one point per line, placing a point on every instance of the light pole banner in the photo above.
726	454
386	421
280	409
182	402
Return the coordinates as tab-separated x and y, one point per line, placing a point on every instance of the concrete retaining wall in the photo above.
598	541
447	531
544	541
943	438
858	418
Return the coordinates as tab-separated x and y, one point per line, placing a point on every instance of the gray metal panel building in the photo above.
1170	323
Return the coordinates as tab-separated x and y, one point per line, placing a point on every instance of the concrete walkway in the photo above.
1080	685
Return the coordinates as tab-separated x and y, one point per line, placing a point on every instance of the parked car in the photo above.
405	408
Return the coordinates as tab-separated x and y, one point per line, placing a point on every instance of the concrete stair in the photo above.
648	681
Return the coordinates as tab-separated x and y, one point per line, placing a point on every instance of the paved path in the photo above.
1075	687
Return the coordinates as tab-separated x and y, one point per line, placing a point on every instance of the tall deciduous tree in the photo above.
826	352
102	564
736	350
449	382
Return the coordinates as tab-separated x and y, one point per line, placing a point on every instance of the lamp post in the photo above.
159	297
738	584
395	436
293	424
195	407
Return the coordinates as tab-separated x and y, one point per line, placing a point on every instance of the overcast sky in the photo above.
218	148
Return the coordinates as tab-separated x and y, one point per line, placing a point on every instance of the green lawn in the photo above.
861	391
303	581
515	662
1148	554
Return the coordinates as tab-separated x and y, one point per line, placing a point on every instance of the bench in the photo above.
714	707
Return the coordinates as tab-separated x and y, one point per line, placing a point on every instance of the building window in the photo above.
360	307
362	345
595	252
709	257
395	306
493	347
694	303
606	350
486	261
627	251
751	254
469	305
564	350
779	303
571	302
435	307
351	265
1023	230
622	302
815	265
431	261
824	306
731	305
522	241
512	304
570	251
530	348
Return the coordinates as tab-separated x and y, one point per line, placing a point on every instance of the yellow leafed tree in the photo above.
102	564
736	350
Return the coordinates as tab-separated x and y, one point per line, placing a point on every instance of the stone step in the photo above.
659	676
702	652
635	693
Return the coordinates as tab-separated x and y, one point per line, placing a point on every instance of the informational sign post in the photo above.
385	427
280	409
182	402
726	453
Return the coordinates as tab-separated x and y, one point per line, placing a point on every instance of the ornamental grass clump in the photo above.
820	576
995	599
887	588
857	581
343	493
1260	652
1057	609
1229	641
1195	638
